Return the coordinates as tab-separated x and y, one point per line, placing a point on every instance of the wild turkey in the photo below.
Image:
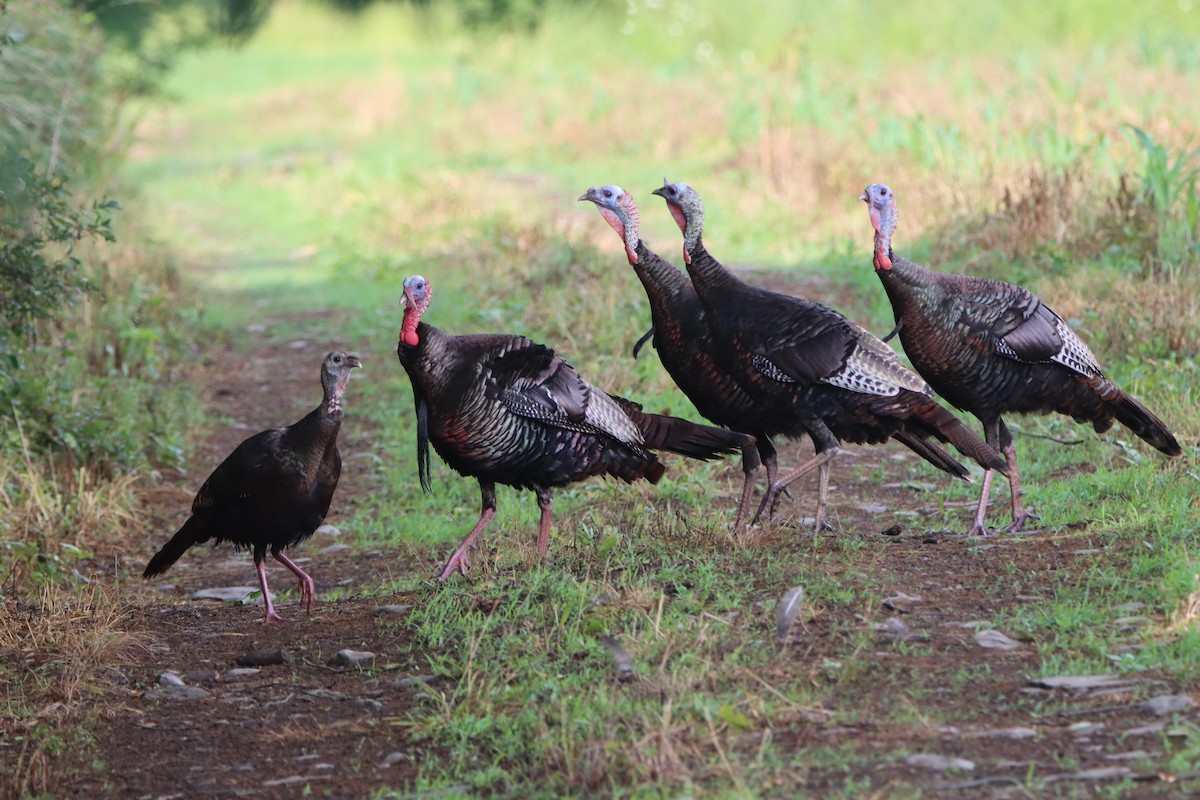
685	347
273	490
990	347
503	409
806	361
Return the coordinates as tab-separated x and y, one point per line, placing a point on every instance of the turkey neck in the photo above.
315	436
709	276
917	294
664	284
431	361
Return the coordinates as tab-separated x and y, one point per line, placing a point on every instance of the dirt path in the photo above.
306	726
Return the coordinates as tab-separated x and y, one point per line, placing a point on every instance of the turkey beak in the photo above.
408	298
353	361
660	191
588	195
863	197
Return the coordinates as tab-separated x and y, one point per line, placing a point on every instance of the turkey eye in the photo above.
607	193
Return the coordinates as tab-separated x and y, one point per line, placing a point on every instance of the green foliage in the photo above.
40	274
1168	180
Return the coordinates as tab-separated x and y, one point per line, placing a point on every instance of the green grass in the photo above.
332	156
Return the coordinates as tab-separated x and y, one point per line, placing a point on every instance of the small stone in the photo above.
939	763
226	594
1096	774
352	658
170	679
414	680
1080	683
242	672
1146	730
261	658
334	548
1130	624
1166	704
164	587
289	781
1086	728
159	649
896	630
176	693
995	640
374	705
327	530
1132	755
397	609
324	694
393	758
900	599
1129	608
1015	734
873	508
324	765
200	676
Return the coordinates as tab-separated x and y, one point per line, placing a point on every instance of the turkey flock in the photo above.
758	364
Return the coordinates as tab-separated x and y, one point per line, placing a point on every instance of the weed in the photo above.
58	651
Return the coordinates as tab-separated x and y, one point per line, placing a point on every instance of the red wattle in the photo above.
408	328
687	257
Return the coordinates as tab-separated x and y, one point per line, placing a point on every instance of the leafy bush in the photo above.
40	274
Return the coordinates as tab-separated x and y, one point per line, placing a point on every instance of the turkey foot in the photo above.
307	586
1019	520
459	562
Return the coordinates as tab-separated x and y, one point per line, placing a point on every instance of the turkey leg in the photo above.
262	582
459	560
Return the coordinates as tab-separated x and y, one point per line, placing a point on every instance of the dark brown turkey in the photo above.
503	409
832	378
273	490
990	348
684	345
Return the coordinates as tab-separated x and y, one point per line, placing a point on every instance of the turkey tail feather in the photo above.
940	422
1139	419
191	533
423	443
675	435
933	454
